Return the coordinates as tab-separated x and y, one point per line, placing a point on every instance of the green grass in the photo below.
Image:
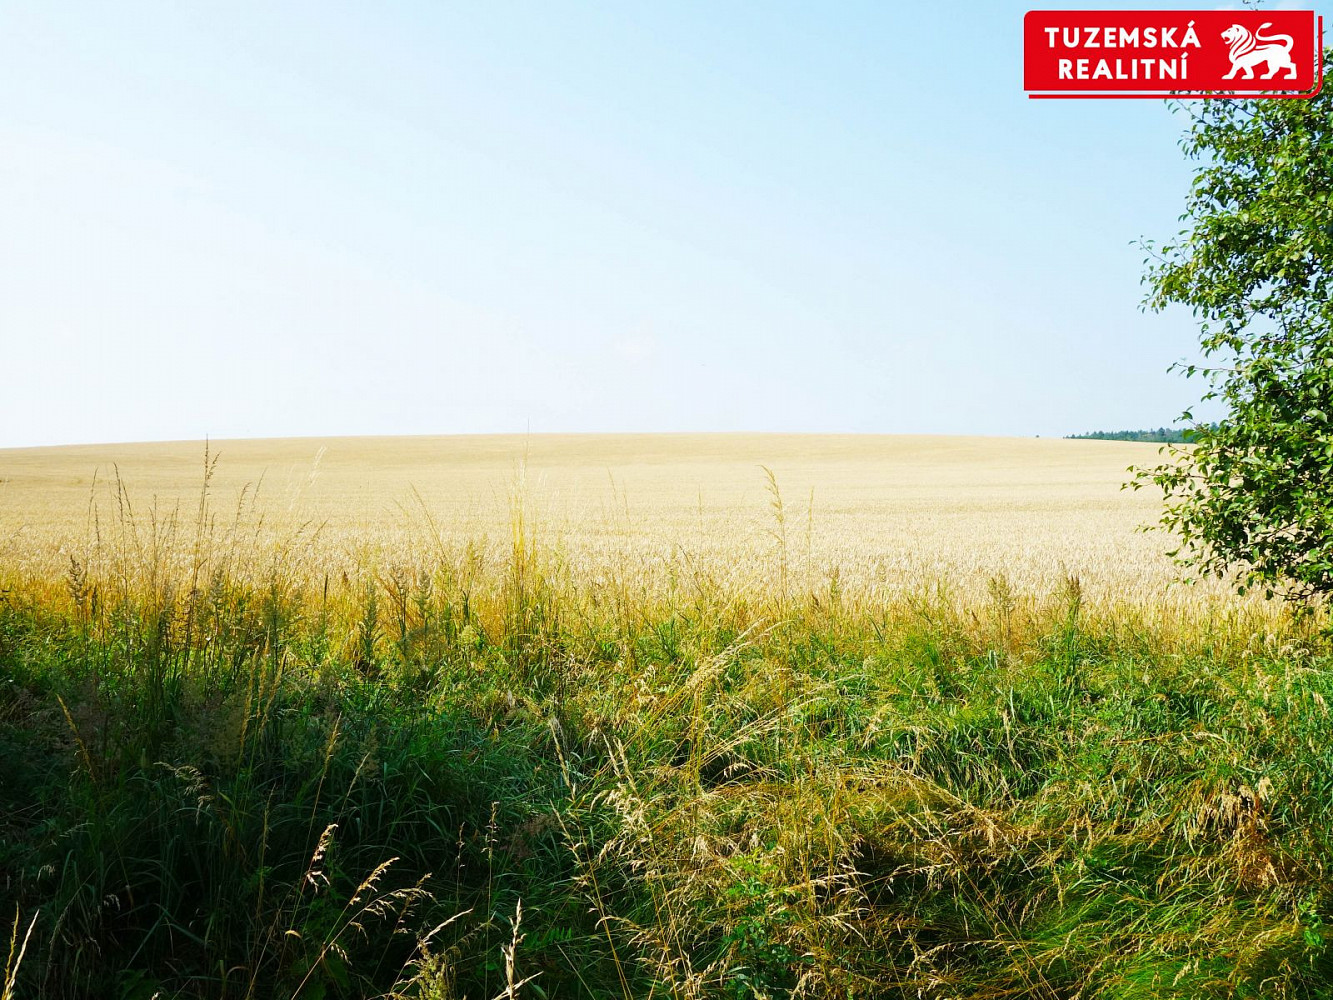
423	784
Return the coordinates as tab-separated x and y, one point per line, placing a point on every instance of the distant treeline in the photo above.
1165	435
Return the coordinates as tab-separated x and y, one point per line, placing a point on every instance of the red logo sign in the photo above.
1172	53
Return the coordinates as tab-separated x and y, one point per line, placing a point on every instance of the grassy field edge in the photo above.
435	784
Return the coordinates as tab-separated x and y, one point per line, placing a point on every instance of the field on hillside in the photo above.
880	512
637	717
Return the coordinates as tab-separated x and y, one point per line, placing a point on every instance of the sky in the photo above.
326	218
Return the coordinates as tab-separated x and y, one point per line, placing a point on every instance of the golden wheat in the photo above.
855	514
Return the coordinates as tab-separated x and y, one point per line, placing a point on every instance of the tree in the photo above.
1253	493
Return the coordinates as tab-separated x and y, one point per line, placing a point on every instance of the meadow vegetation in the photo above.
247	750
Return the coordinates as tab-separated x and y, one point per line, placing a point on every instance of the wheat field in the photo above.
877	512
710	717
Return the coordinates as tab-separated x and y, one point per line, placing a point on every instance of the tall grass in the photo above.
226	772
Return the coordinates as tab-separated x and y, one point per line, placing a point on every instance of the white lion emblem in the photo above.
1251	50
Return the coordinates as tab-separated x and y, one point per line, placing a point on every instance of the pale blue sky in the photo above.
329	218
